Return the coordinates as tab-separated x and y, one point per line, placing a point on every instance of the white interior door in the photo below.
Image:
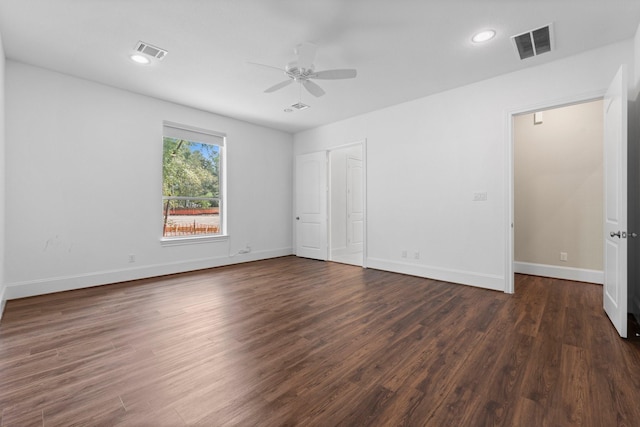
615	202
311	205
355	206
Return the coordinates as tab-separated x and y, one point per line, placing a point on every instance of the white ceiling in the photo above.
403	49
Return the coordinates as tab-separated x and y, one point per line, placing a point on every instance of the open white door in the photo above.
615	202
355	206
311	205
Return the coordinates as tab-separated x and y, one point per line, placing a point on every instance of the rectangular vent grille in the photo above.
152	51
534	43
300	106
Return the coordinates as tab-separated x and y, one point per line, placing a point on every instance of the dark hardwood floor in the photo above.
292	341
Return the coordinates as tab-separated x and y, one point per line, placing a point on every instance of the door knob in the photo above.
633	235
297	218
612	234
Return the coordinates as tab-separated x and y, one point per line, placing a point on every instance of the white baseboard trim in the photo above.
566	273
67	283
479	280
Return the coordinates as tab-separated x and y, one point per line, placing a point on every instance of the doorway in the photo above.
558	192
615	197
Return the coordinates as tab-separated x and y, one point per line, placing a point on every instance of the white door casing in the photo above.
615	202
311	205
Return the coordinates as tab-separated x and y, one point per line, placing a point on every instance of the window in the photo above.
192	182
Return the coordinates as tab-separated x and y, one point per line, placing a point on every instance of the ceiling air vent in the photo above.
152	51
534	42
300	106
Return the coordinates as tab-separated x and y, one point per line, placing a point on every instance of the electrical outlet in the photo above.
404	254
416	255
132	258
563	256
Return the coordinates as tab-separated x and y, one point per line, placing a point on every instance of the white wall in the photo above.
426	159
84	185
2	181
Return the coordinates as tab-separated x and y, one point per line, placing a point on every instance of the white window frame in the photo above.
192	133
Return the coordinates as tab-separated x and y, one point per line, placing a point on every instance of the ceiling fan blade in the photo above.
278	86
313	88
347	73
266	66
306	54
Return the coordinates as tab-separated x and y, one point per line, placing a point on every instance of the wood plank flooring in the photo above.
291	341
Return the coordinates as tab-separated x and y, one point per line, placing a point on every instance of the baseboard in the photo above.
480	280
67	283
566	273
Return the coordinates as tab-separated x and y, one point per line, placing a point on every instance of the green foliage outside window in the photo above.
190	169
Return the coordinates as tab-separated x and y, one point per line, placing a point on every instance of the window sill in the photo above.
192	240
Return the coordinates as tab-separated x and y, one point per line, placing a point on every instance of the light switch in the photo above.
480	196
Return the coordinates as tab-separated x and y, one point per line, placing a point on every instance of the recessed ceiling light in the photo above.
483	36
288	110
140	59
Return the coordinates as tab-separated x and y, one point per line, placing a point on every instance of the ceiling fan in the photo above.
302	71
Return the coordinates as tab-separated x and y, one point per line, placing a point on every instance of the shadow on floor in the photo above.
633	328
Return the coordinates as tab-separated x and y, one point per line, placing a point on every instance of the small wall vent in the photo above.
534	42
152	51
